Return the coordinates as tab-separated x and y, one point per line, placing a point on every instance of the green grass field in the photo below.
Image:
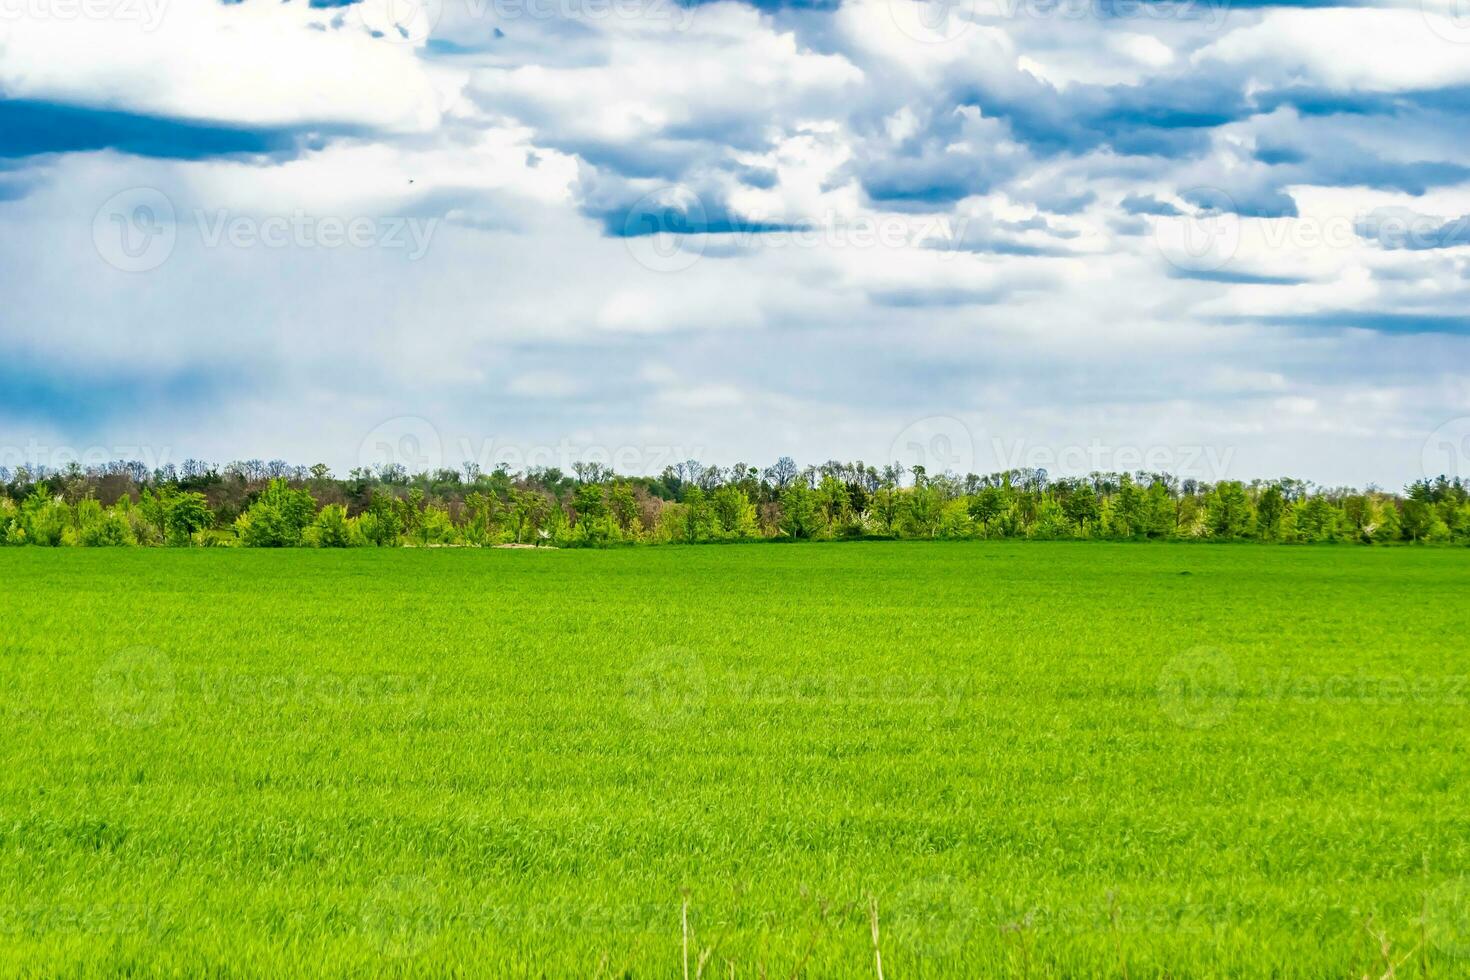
1038	759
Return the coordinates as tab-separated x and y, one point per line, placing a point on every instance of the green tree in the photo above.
698	518
798	509
589	504
188	514
333	528
1228	511
528	511
922	508
885	506
98	528
624	506
1270	510
278	518
482	517
1421	522
832	501
987	505
734	514
44	519
1081	508
381	524
1130	510
1160	516
1315	519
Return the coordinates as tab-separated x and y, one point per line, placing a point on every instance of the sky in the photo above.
1228	240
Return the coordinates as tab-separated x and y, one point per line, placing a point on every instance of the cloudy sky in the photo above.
1228	239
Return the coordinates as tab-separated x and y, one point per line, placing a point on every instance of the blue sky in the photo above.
1228	239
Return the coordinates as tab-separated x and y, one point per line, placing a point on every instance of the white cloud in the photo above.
524	319
1345	48
250	64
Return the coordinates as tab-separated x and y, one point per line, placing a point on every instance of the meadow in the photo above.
966	759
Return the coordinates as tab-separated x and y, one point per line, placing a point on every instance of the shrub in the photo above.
278	518
334	529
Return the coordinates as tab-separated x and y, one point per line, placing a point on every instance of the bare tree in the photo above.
782	473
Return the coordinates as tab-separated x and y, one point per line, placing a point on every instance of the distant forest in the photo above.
260	504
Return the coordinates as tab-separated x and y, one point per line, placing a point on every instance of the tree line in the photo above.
259	504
